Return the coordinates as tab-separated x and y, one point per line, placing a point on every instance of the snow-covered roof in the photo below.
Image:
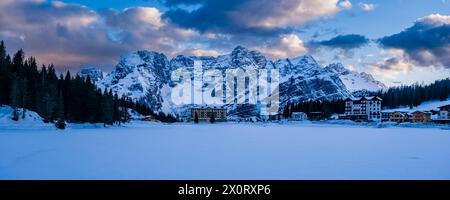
364	98
446	107
207	107
298	113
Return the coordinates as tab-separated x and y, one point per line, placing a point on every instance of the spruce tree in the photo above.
196	118
212	119
59	112
107	109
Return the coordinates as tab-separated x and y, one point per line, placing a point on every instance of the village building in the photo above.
363	108
386	116
205	113
316	116
299	116
444	114
399	117
421	117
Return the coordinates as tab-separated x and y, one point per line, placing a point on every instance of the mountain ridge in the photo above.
145	76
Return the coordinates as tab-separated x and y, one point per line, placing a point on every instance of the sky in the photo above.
397	41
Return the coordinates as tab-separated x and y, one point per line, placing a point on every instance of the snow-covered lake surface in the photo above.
224	151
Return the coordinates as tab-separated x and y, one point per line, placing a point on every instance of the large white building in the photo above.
363	108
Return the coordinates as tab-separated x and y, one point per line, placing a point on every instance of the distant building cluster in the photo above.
442	116
361	109
205	113
369	109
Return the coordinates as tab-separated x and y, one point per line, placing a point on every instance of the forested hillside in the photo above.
24	85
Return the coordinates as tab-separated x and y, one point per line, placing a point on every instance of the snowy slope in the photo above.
302	79
355	81
425	106
32	119
226	151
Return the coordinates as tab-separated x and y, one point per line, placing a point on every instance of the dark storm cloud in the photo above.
427	42
265	17
344	42
212	15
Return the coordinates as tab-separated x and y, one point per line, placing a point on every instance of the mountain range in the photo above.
145	76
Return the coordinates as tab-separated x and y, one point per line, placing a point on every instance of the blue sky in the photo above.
397	41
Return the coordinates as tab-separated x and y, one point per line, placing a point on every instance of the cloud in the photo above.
286	46
367	6
72	35
389	69
266	16
200	52
426	43
343	42
346	4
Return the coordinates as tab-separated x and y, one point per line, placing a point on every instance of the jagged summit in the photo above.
241	56
338	68
93	73
355	81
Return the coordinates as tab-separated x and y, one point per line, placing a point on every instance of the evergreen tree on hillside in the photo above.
4	74
196	118
212	119
107	109
64	98
17	96
59	112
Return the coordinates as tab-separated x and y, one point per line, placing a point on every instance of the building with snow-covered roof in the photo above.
204	113
299	116
399	117
363	108
444	114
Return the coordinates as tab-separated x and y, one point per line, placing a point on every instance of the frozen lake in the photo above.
225	151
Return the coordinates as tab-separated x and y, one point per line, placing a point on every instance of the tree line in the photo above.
415	94
66	98
325	108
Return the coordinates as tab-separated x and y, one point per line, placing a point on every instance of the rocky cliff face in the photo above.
93	73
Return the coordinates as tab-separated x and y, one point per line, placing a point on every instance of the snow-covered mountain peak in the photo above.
338	68
355	81
137	75
145	76
304	60
241	57
299	66
94	74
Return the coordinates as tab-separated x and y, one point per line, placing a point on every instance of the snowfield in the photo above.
224	151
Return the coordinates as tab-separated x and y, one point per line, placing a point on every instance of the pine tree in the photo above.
196	118
59	112
212	119
3	74
15	96
107	109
